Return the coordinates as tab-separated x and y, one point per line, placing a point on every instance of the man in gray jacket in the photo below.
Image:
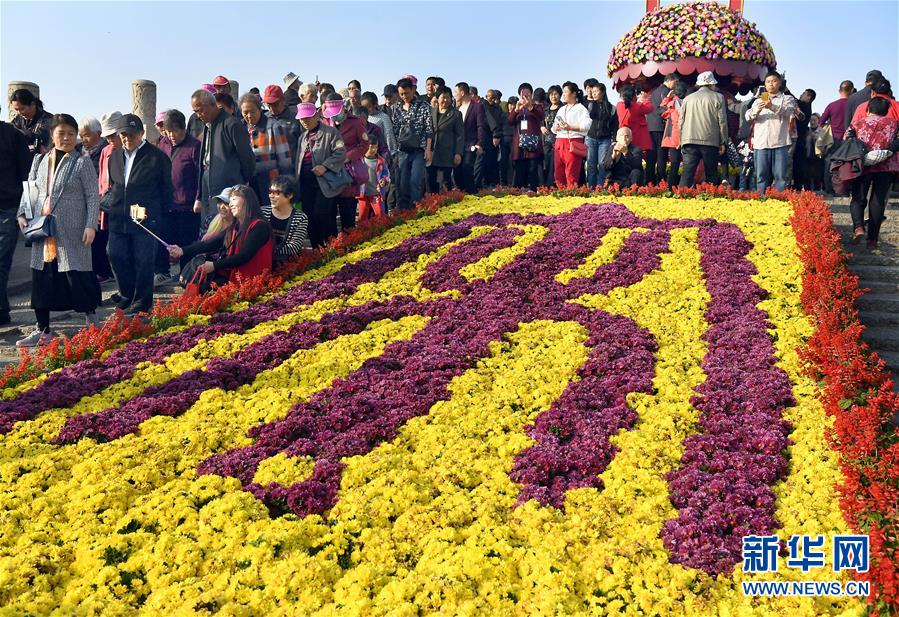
703	130
226	158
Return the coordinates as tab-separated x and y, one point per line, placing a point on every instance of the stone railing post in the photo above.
143	105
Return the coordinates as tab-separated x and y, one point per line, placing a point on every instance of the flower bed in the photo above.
514	404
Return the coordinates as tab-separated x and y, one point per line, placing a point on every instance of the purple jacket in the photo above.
477	131
185	171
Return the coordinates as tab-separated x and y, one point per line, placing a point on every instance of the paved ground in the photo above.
877	270
23	317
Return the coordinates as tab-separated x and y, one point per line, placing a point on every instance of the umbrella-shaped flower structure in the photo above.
690	38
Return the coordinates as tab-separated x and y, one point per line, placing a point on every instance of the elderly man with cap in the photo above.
390	96
320	159
140	192
292	85
355	139
278	109
226	157
109	127
703	130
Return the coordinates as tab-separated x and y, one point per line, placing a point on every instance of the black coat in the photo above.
15	162
231	158
149	185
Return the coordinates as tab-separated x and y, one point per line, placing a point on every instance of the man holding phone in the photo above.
771	113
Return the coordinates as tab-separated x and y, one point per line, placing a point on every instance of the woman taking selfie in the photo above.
247	243
62	277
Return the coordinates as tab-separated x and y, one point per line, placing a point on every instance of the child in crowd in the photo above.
373	193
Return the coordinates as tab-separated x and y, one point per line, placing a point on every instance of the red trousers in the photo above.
567	165
369	204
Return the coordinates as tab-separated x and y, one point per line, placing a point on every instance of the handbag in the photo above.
530	143
337	180
577	148
408	138
43	226
192	289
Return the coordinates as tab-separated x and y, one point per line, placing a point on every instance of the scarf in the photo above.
47	210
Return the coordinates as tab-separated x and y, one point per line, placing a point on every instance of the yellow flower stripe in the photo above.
612	243
147	481
486	267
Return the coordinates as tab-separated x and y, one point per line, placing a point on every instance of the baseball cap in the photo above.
390	90
130	124
224	196
221	80
272	93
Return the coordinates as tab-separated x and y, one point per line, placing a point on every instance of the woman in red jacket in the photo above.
632	110
246	242
671	135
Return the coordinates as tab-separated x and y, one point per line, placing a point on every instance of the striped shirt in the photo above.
296	237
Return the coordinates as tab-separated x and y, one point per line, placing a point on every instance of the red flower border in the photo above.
854	387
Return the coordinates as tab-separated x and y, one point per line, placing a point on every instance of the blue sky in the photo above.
84	55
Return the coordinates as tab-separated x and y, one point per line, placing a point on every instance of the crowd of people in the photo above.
240	186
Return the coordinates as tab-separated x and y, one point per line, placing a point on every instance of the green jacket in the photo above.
703	120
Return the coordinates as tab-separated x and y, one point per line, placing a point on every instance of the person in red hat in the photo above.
276	101
222	85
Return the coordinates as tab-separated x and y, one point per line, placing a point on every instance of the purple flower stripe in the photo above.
572	437
69	385
176	396
371	405
443	274
723	489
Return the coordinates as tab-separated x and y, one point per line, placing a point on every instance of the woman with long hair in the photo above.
246	243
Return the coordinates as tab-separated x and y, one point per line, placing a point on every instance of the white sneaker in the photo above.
37	338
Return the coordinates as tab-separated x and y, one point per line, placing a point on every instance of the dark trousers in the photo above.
654	170
132	257
463	175
505	163
180	228
828	181
527	174
879	184
486	167
673	156
346	206
9	237
99	259
320	211
434	185
692	154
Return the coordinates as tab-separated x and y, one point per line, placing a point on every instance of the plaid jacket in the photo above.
271	145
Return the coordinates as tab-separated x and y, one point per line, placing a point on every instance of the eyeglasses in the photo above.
275	192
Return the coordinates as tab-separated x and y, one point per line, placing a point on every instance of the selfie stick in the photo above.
163	242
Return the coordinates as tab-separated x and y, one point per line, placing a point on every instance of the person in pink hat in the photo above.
355	138
160	117
321	155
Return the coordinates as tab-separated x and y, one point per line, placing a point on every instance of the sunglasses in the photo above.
275	192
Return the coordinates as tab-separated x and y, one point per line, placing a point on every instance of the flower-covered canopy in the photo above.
690	38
